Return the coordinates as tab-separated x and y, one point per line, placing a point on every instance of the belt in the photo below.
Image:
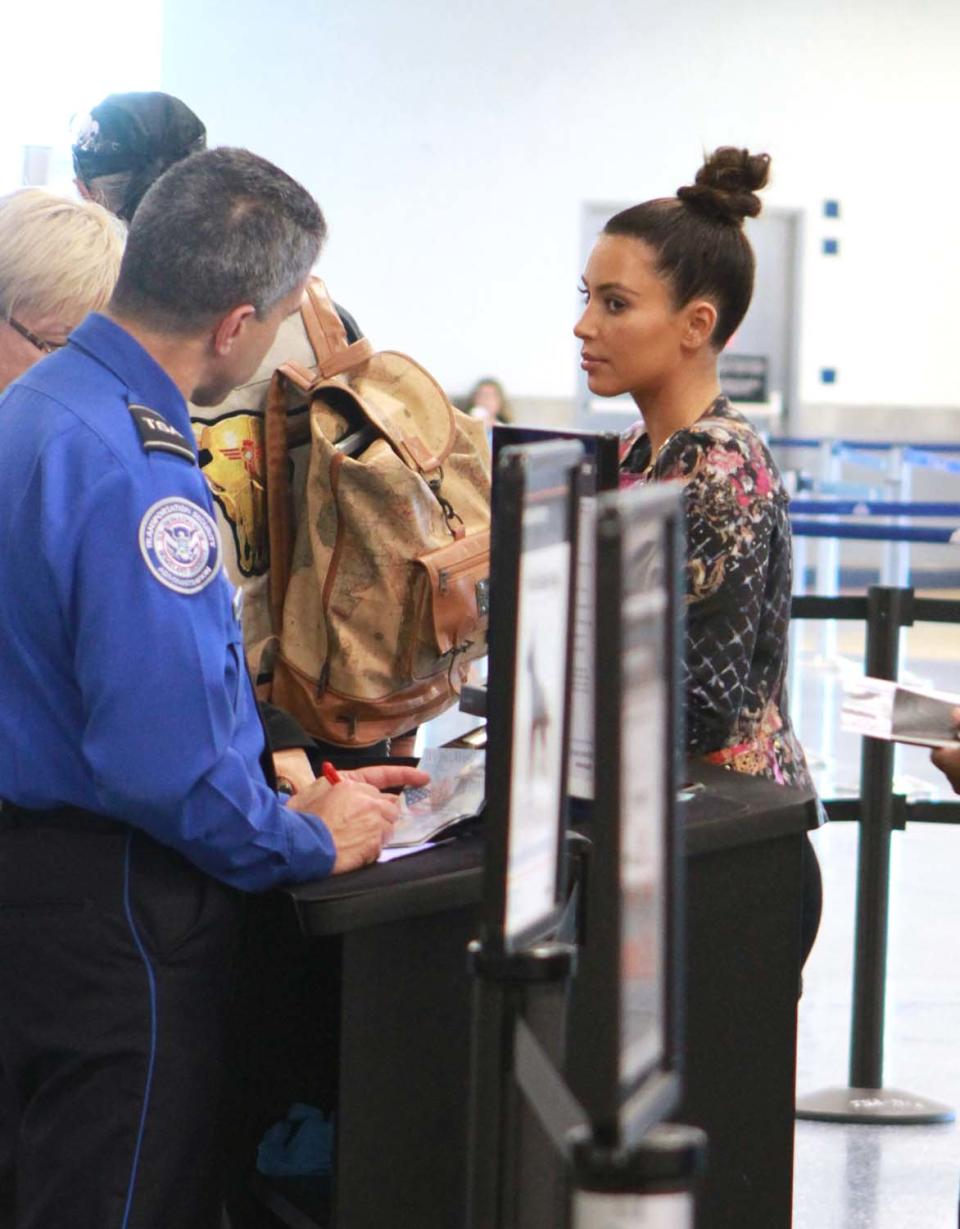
66	818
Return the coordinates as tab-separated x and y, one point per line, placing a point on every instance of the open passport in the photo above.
455	793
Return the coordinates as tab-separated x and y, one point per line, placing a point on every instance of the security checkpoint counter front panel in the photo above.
405	1008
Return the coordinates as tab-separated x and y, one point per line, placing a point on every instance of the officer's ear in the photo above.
231	327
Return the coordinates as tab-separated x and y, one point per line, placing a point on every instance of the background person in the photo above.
59	261
123	863
488	402
126	143
666	285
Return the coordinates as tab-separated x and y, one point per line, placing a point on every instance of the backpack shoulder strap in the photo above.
327	336
279	499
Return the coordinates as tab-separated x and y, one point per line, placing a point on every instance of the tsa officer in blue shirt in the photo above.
138	805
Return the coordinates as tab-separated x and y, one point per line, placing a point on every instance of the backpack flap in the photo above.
408	407
457	589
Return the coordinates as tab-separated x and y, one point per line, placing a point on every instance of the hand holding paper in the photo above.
947	759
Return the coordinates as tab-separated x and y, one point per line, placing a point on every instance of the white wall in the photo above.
452	145
59	59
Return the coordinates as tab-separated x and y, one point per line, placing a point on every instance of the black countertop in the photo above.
729	810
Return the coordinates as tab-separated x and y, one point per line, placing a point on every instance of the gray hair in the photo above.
110	191
221	228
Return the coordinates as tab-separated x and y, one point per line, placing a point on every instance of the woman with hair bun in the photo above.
666	285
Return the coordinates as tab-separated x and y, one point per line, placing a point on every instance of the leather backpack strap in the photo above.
326	334
279	497
324	326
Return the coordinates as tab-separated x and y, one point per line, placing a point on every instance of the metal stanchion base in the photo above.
871	1105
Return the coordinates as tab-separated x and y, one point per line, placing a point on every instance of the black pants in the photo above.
811	902
117	963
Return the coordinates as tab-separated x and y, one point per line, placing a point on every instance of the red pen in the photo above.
330	773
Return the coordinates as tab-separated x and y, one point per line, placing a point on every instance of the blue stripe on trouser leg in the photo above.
152	985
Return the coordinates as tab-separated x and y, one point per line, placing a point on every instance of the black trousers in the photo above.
117	967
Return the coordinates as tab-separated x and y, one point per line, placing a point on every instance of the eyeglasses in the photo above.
45	347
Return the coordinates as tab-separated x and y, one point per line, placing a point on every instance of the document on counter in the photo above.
455	792
883	709
404	851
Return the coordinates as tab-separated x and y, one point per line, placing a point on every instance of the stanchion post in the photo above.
865	1099
887	611
507	988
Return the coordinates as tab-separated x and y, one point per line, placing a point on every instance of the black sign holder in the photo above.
521	986
601	449
531	584
518	974
599	472
639	628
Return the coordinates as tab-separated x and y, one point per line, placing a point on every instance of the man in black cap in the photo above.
127	142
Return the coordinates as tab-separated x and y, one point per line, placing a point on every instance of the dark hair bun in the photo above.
726	185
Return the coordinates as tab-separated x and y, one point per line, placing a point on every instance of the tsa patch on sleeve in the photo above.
181	545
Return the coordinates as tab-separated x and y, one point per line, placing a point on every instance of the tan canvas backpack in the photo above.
379	579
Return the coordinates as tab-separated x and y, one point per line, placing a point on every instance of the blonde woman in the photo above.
59	260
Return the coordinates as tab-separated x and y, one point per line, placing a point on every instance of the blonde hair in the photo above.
58	257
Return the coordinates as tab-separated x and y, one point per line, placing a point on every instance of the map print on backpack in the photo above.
379	571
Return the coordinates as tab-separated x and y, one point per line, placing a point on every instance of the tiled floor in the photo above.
887	1177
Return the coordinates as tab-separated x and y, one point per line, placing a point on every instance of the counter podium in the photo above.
403	929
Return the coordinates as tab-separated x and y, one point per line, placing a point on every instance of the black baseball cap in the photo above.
143	133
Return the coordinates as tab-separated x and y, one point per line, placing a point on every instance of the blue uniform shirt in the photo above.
123	688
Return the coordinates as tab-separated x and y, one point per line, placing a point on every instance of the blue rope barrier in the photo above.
872	507
866	445
855	491
865	458
873	533
806	441
927	458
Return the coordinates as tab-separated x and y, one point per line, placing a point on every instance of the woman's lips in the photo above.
590	362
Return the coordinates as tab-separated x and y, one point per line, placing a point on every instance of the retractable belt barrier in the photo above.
873	533
929	458
807	441
874	507
867	458
879	811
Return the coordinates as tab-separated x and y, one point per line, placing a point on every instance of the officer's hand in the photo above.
358	816
387	776
947	759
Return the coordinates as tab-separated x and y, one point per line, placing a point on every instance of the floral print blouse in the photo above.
739	574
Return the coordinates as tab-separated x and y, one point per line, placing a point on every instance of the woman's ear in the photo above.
701	320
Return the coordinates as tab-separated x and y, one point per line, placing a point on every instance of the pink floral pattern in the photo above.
739	582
